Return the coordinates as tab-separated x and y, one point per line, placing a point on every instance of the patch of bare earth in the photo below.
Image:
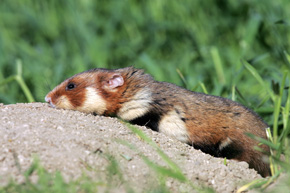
76	143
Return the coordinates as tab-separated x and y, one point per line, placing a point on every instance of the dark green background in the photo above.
204	40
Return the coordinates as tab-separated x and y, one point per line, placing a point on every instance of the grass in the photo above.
202	40
49	182
278	138
234	49
19	79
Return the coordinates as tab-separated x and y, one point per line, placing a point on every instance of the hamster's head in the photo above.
85	92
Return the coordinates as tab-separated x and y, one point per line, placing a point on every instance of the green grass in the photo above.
204	40
278	139
50	182
234	49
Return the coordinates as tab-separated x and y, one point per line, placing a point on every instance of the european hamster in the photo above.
214	125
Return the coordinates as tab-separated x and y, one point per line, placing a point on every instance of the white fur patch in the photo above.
93	103
225	143
173	126
63	103
137	106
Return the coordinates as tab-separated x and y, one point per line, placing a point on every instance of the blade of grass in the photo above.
256	75
18	78
251	185
170	163
286	120
258	184
203	87
174	171
159	169
277	107
266	98
164	171
7	80
218	64
264	141
287	58
234	93
244	101
22	83
181	76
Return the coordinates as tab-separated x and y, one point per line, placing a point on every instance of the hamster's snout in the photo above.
48	100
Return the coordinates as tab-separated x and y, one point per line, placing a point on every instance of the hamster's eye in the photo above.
70	86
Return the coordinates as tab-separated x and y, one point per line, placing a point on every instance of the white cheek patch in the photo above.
93	102
225	143
138	106
173	126
63	103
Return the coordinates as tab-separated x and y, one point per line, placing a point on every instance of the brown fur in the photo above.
213	124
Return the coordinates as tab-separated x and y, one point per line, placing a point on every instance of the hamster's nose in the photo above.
47	99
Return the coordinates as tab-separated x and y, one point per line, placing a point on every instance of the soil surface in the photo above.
74	143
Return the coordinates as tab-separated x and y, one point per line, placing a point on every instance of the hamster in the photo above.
213	124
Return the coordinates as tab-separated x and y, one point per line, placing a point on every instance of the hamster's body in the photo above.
212	124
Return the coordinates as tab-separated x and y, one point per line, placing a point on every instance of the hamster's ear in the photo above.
114	80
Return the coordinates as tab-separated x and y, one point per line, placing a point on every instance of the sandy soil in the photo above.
73	143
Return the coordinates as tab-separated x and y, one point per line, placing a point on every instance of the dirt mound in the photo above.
73	142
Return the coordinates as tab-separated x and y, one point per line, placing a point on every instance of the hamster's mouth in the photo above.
48	100
52	105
